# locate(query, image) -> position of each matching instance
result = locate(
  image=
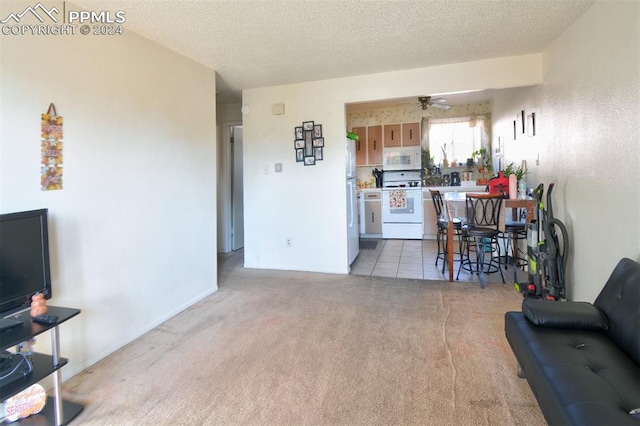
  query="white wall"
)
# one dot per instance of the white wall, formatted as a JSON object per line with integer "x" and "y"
{"x": 308, "y": 204}
{"x": 133, "y": 232}
{"x": 588, "y": 139}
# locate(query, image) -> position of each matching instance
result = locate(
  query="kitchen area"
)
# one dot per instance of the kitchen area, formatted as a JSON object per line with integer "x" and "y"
{"x": 395, "y": 171}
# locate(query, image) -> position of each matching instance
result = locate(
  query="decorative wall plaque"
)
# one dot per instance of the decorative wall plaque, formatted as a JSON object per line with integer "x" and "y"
{"x": 51, "y": 165}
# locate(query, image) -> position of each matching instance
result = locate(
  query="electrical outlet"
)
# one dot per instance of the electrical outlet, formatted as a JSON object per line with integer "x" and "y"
{"x": 288, "y": 242}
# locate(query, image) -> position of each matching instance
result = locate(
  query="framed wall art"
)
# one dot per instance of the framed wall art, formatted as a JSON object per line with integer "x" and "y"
{"x": 531, "y": 124}
{"x": 308, "y": 143}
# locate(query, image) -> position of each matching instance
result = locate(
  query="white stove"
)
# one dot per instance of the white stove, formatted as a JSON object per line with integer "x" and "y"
{"x": 402, "y": 212}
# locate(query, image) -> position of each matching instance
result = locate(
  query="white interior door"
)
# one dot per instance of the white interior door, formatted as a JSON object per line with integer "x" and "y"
{"x": 237, "y": 204}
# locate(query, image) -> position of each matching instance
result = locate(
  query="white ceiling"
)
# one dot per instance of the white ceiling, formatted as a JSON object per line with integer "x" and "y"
{"x": 257, "y": 43}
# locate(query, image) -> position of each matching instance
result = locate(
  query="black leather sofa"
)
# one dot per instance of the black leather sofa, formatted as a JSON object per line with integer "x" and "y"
{"x": 581, "y": 360}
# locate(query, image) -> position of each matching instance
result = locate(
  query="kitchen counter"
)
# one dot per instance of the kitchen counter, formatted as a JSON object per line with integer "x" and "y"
{"x": 465, "y": 188}
{"x": 461, "y": 188}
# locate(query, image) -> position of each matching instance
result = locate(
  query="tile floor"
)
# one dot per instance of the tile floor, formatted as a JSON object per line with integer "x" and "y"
{"x": 414, "y": 259}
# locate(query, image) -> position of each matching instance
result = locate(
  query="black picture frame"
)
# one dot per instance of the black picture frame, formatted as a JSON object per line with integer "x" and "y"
{"x": 531, "y": 124}
{"x": 317, "y": 130}
{"x": 299, "y": 155}
{"x": 307, "y": 125}
{"x": 317, "y": 153}
{"x": 298, "y": 143}
{"x": 298, "y": 132}
{"x": 310, "y": 161}
{"x": 308, "y": 143}
{"x": 318, "y": 143}
{"x": 515, "y": 129}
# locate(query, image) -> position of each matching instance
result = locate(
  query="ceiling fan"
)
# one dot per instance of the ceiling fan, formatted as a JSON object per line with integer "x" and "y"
{"x": 427, "y": 101}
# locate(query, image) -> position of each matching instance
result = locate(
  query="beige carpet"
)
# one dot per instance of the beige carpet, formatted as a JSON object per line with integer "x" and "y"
{"x": 292, "y": 348}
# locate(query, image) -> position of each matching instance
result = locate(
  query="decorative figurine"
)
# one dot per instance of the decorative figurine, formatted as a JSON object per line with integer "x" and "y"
{"x": 38, "y": 305}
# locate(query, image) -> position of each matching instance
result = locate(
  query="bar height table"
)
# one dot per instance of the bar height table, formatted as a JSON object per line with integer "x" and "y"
{"x": 456, "y": 200}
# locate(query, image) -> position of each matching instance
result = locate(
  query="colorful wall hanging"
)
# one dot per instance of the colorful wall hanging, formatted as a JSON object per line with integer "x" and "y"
{"x": 51, "y": 165}
{"x": 308, "y": 143}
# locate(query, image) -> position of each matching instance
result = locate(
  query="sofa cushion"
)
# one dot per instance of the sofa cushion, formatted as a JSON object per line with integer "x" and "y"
{"x": 619, "y": 301}
{"x": 563, "y": 314}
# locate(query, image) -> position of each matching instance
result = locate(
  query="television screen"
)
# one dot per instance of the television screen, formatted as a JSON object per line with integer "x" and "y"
{"x": 24, "y": 259}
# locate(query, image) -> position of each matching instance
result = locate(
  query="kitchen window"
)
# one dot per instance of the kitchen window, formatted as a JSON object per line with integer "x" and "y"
{"x": 457, "y": 137}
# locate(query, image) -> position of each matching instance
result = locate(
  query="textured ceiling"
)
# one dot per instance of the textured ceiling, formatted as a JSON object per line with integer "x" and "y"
{"x": 256, "y": 43}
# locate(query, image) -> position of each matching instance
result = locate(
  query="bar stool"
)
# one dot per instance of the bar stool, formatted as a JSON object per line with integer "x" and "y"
{"x": 443, "y": 228}
{"x": 481, "y": 229}
{"x": 514, "y": 232}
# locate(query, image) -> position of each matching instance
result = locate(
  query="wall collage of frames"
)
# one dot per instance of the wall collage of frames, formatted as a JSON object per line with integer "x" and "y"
{"x": 309, "y": 143}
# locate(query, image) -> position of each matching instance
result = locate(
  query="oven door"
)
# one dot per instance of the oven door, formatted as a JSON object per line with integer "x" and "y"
{"x": 403, "y": 158}
{"x": 402, "y": 213}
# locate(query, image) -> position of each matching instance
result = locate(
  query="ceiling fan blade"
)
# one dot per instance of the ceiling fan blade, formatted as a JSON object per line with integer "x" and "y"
{"x": 441, "y": 106}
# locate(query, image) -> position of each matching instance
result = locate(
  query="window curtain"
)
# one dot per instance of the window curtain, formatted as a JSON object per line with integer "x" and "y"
{"x": 424, "y": 136}
{"x": 449, "y": 135}
{"x": 483, "y": 122}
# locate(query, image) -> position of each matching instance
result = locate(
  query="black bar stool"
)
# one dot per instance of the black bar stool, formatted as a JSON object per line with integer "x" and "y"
{"x": 481, "y": 230}
{"x": 443, "y": 228}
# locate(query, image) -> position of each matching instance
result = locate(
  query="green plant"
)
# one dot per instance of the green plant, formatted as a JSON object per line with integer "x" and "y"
{"x": 427, "y": 159}
{"x": 519, "y": 171}
{"x": 483, "y": 154}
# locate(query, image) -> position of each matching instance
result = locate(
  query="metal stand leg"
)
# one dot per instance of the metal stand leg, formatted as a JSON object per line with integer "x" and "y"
{"x": 57, "y": 398}
{"x": 480, "y": 259}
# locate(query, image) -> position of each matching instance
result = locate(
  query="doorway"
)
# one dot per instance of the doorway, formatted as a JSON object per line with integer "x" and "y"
{"x": 237, "y": 204}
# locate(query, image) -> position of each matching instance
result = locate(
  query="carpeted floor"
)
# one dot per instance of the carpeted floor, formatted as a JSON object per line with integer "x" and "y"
{"x": 295, "y": 348}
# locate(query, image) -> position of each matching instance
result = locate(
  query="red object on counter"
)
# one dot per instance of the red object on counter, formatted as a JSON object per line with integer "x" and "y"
{"x": 499, "y": 185}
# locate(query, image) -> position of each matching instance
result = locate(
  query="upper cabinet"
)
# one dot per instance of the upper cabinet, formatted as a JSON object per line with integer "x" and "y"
{"x": 392, "y": 135}
{"x": 407, "y": 134}
{"x": 373, "y": 138}
{"x": 374, "y": 144}
{"x": 361, "y": 145}
{"x": 411, "y": 134}
{"x": 368, "y": 146}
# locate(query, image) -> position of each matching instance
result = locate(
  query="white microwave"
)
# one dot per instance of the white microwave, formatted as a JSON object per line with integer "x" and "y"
{"x": 402, "y": 158}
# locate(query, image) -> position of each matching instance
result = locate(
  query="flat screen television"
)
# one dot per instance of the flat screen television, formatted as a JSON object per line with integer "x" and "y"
{"x": 24, "y": 259}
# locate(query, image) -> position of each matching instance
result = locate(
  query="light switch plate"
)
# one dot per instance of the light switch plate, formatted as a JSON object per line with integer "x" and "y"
{"x": 278, "y": 168}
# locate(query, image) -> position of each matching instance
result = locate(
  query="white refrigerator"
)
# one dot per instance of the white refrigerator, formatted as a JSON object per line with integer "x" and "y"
{"x": 353, "y": 236}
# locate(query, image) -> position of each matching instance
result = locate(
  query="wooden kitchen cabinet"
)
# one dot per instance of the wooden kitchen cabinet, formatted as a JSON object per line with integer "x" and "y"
{"x": 411, "y": 134}
{"x": 361, "y": 145}
{"x": 372, "y": 212}
{"x": 374, "y": 145}
{"x": 392, "y": 136}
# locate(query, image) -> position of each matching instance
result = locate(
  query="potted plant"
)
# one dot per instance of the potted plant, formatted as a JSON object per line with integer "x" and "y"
{"x": 482, "y": 154}
{"x": 519, "y": 171}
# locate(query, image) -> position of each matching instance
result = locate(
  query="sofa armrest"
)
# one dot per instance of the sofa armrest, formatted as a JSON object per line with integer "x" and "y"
{"x": 551, "y": 314}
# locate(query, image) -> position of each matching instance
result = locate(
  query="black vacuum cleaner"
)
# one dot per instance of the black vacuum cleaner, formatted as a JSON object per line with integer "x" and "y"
{"x": 547, "y": 248}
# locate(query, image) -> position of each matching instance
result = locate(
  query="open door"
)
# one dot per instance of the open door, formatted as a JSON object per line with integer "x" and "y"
{"x": 237, "y": 204}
